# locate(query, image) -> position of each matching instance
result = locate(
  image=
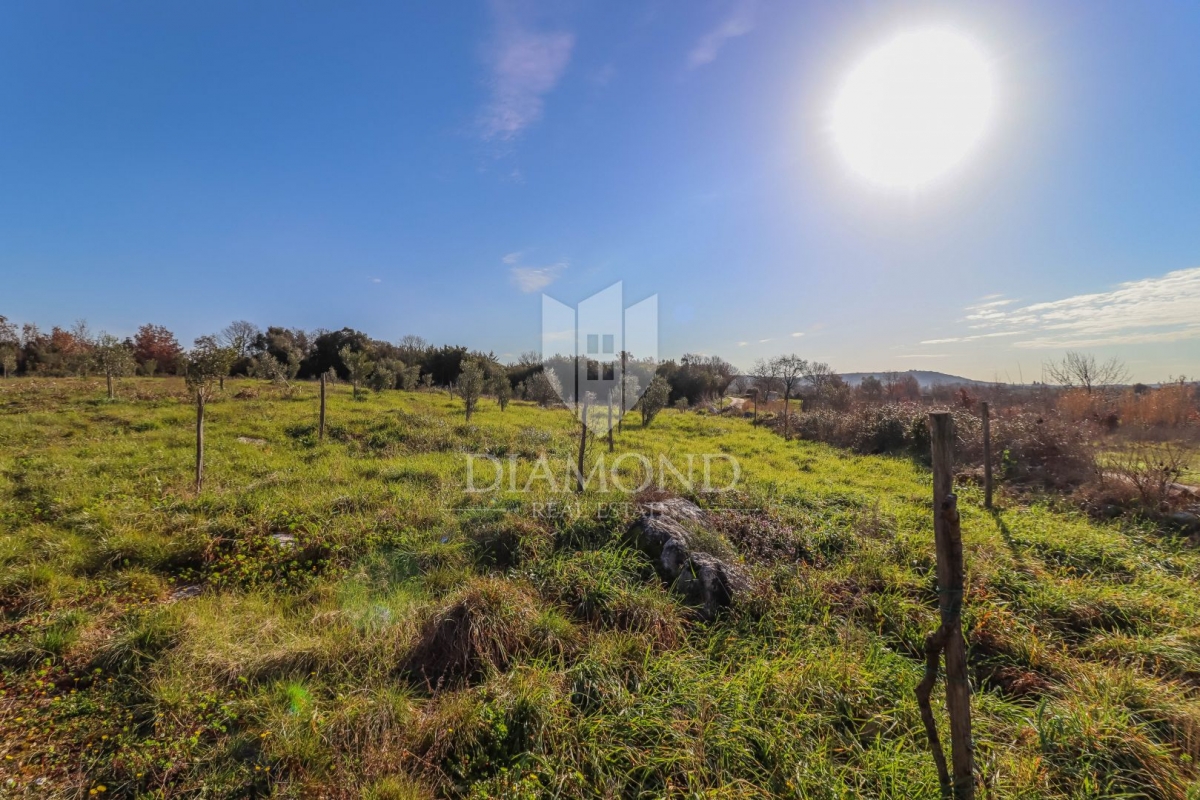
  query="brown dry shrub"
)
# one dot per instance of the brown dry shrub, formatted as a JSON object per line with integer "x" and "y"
{"x": 1154, "y": 472}
{"x": 1030, "y": 448}
{"x": 479, "y": 631}
{"x": 1173, "y": 405}
{"x": 1044, "y": 450}
{"x": 1080, "y": 404}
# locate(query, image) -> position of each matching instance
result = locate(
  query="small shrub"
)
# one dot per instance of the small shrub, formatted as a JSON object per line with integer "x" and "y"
{"x": 1152, "y": 470}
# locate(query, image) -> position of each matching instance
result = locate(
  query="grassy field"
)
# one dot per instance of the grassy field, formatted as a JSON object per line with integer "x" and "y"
{"x": 273, "y": 633}
{"x": 1188, "y": 454}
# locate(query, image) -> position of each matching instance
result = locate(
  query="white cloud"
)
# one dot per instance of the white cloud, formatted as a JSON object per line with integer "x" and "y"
{"x": 797, "y": 334}
{"x": 524, "y": 65}
{"x": 1146, "y": 311}
{"x": 742, "y": 344}
{"x": 973, "y": 337}
{"x": 763, "y": 341}
{"x": 376, "y": 280}
{"x": 532, "y": 278}
{"x": 738, "y": 23}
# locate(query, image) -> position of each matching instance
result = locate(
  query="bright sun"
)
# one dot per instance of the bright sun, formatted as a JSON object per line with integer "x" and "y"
{"x": 913, "y": 109}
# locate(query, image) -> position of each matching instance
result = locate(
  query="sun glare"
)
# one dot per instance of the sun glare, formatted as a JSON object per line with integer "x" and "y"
{"x": 913, "y": 109}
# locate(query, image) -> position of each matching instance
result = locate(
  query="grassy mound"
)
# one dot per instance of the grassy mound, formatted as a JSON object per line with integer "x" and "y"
{"x": 478, "y": 632}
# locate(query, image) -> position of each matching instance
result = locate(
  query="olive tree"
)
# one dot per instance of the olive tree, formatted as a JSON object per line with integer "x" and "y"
{"x": 358, "y": 365}
{"x": 470, "y": 384}
{"x": 207, "y": 363}
{"x": 409, "y": 376}
{"x": 383, "y": 377}
{"x": 268, "y": 368}
{"x": 544, "y": 388}
{"x": 502, "y": 389}
{"x": 112, "y": 358}
{"x": 655, "y": 399}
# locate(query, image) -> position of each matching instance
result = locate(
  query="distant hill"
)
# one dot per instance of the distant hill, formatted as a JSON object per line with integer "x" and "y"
{"x": 924, "y": 377}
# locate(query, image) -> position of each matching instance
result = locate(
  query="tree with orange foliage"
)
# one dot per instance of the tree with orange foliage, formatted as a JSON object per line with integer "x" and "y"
{"x": 156, "y": 343}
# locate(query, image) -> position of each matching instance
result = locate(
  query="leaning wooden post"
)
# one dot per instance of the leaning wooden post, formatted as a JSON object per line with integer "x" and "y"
{"x": 985, "y": 409}
{"x": 199, "y": 438}
{"x": 949, "y": 638}
{"x": 321, "y": 423}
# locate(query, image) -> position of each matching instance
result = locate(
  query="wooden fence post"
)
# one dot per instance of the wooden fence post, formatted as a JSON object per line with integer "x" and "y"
{"x": 948, "y": 638}
{"x": 583, "y": 431}
{"x": 321, "y": 424}
{"x": 621, "y": 419}
{"x": 199, "y": 439}
{"x": 987, "y": 454}
{"x": 610, "y": 422}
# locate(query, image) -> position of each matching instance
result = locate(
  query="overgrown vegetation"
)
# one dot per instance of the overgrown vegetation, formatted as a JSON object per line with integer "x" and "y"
{"x": 341, "y": 619}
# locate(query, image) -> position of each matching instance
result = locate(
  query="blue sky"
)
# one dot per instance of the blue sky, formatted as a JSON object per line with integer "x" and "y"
{"x": 431, "y": 168}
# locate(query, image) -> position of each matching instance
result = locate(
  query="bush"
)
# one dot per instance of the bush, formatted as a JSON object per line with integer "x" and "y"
{"x": 1028, "y": 447}
{"x": 1152, "y": 470}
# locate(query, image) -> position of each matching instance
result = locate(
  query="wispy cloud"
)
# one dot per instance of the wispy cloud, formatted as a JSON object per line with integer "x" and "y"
{"x": 973, "y": 337}
{"x": 524, "y": 65}
{"x": 738, "y": 22}
{"x": 1146, "y": 311}
{"x": 530, "y": 278}
{"x": 604, "y": 76}
{"x": 797, "y": 334}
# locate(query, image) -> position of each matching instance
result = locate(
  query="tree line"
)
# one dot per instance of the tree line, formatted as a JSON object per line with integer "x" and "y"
{"x": 282, "y": 354}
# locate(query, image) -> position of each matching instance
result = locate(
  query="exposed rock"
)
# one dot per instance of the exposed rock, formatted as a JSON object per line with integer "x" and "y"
{"x": 283, "y": 539}
{"x": 682, "y": 555}
{"x": 185, "y": 592}
{"x": 675, "y": 508}
{"x": 1185, "y": 520}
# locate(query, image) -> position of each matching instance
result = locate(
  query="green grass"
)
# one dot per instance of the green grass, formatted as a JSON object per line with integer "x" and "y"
{"x": 1188, "y": 453}
{"x": 161, "y": 643}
